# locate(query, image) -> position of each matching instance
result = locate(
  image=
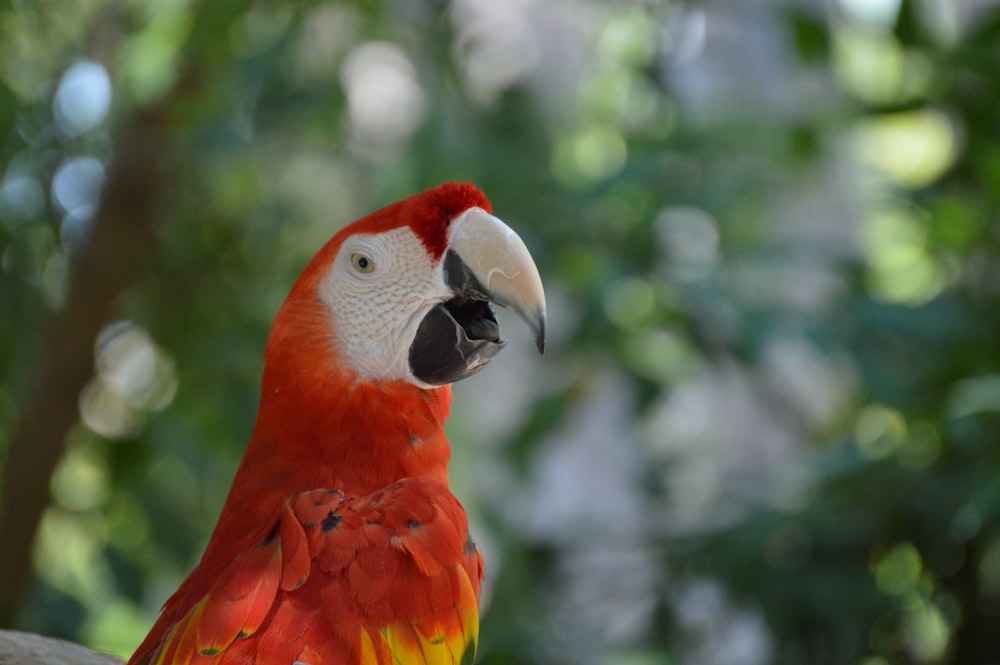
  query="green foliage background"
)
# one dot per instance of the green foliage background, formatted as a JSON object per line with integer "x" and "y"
{"x": 766, "y": 430}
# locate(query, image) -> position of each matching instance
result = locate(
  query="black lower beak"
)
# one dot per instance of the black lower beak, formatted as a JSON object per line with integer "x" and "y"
{"x": 456, "y": 339}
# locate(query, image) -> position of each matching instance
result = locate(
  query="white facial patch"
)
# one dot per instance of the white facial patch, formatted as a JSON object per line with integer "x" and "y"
{"x": 379, "y": 289}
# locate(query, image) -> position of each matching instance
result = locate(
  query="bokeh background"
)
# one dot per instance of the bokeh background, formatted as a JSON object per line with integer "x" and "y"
{"x": 767, "y": 426}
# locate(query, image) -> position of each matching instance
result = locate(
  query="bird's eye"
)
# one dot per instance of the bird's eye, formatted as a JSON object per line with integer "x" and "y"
{"x": 362, "y": 263}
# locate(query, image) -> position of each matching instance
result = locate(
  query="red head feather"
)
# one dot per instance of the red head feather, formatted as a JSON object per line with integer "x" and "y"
{"x": 430, "y": 212}
{"x": 427, "y": 213}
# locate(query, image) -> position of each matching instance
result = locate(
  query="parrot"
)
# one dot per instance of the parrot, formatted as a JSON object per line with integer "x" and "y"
{"x": 339, "y": 542}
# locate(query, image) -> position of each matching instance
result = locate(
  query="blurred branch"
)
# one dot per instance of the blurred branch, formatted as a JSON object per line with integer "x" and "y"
{"x": 102, "y": 269}
{"x": 29, "y": 649}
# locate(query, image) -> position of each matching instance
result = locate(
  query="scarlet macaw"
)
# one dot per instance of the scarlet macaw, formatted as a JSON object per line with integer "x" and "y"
{"x": 340, "y": 542}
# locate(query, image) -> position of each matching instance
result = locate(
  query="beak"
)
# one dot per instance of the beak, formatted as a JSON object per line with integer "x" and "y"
{"x": 487, "y": 261}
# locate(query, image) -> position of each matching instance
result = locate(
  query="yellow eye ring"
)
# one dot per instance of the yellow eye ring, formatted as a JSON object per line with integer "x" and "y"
{"x": 362, "y": 263}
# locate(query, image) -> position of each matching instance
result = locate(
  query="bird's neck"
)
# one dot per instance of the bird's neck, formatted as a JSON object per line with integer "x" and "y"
{"x": 318, "y": 428}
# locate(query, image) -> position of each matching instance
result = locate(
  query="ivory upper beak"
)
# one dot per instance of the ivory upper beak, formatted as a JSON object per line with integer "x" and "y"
{"x": 499, "y": 260}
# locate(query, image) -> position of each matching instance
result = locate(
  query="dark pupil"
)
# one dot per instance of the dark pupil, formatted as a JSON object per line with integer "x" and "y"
{"x": 362, "y": 262}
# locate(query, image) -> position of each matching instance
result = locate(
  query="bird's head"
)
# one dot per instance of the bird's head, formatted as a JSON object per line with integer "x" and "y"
{"x": 405, "y": 293}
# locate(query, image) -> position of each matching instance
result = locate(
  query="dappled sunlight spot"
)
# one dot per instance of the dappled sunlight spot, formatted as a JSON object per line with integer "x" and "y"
{"x": 878, "y": 12}
{"x": 324, "y": 36}
{"x": 80, "y": 482}
{"x": 598, "y": 152}
{"x": 133, "y": 366}
{"x": 875, "y": 660}
{"x": 689, "y": 238}
{"x": 66, "y": 553}
{"x": 69, "y": 556}
{"x": 868, "y": 63}
{"x": 879, "y": 431}
{"x": 76, "y": 189}
{"x": 76, "y": 185}
{"x": 914, "y": 148}
{"x": 615, "y": 86}
{"x": 949, "y": 22}
{"x": 606, "y": 95}
{"x": 385, "y": 100}
{"x": 495, "y": 47}
{"x": 977, "y": 395}
{"x": 629, "y": 301}
{"x": 900, "y": 570}
{"x": 82, "y": 99}
{"x": 21, "y": 198}
{"x": 106, "y": 413}
{"x": 923, "y": 630}
{"x": 133, "y": 377}
{"x": 320, "y": 185}
{"x": 116, "y": 628}
{"x": 126, "y": 361}
{"x": 74, "y": 230}
{"x": 900, "y": 267}
{"x": 588, "y": 155}
{"x": 686, "y": 42}
{"x": 989, "y": 569}
{"x": 872, "y": 65}
{"x": 149, "y": 59}
{"x": 629, "y": 36}
{"x": 661, "y": 355}
{"x": 926, "y": 632}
